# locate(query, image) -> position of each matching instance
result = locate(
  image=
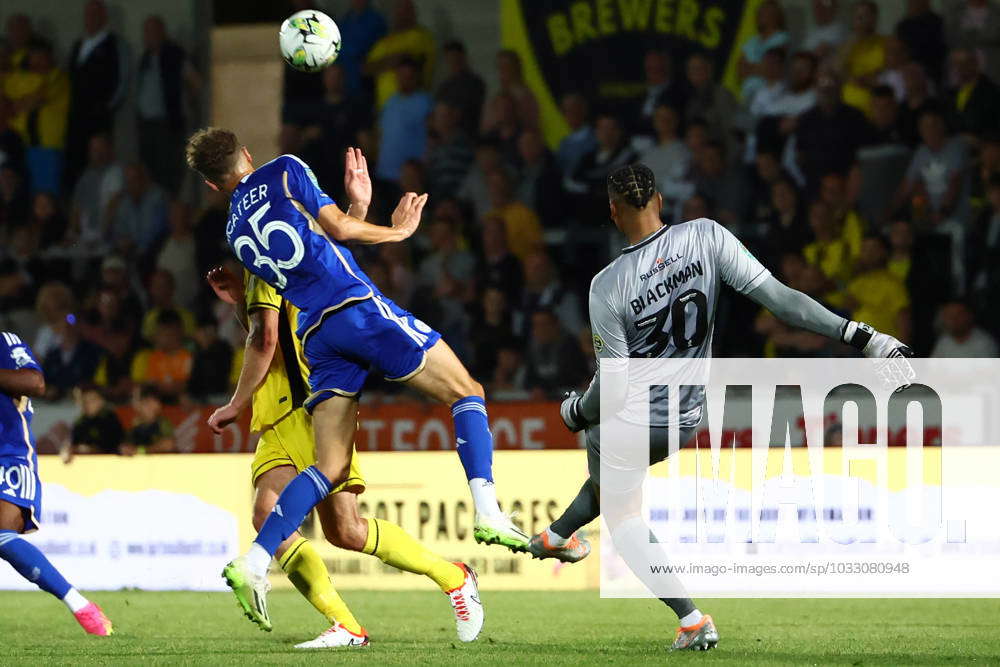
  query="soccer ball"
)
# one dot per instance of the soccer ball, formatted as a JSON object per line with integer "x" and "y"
{"x": 309, "y": 40}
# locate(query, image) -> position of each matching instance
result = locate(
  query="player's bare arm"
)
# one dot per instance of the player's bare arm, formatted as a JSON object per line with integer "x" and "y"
{"x": 22, "y": 382}
{"x": 351, "y": 226}
{"x": 262, "y": 340}
{"x": 357, "y": 183}
{"x": 344, "y": 228}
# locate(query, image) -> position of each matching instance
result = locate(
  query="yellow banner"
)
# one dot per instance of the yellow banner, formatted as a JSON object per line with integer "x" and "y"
{"x": 427, "y": 495}
{"x": 170, "y": 522}
{"x": 140, "y": 498}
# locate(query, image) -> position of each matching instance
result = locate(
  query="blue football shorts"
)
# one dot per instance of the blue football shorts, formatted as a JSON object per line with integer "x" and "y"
{"x": 373, "y": 334}
{"x": 19, "y": 485}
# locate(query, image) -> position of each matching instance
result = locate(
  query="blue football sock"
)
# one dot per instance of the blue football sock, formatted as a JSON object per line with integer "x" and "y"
{"x": 302, "y": 494}
{"x": 32, "y": 564}
{"x": 475, "y": 442}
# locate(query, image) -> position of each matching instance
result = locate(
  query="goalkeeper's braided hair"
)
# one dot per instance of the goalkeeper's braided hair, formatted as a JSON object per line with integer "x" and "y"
{"x": 633, "y": 183}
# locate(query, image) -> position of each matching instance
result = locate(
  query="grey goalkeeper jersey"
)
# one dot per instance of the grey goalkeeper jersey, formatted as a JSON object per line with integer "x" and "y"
{"x": 657, "y": 301}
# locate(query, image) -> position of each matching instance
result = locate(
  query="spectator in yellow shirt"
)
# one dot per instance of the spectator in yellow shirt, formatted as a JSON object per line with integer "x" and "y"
{"x": 862, "y": 58}
{"x": 830, "y": 252}
{"x": 406, "y": 39}
{"x": 524, "y": 232}
{"x": 833, "y": 191}
{"x": 39, "y": 95}
{"x": 876, "y": 295}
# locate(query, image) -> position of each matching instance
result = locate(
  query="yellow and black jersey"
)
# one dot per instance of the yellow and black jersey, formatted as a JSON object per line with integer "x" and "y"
{"x": 286, "y": 384}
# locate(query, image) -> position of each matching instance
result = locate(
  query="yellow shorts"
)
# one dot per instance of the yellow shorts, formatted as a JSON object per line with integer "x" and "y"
{"x": 290, "y": 443}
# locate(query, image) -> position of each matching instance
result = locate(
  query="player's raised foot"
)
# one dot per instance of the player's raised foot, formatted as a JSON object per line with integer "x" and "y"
{"x": 469, "y": 612}
{"x": 337, "y": 637}
{"x": 701, "y": 636}
{"x": 92, "y": 619}
{"x": 250, "y": 591}
{"x": 500, "y": 529}
{"x": 575, "y": 549}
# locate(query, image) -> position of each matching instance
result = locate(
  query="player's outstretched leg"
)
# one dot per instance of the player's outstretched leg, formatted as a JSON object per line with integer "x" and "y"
{"x": 631, "y": 536}
{"x": 298, "y": 558}
{"x": 333, "y": 426}
{"x": 345, "y": 528}
{"x": 31, "y": 564}
{"x": 560, "y": 540}
{"x": 445, "y": 379}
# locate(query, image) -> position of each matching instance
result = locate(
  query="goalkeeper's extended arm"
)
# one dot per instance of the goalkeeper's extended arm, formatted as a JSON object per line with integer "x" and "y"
{"x": 800, "y": 310}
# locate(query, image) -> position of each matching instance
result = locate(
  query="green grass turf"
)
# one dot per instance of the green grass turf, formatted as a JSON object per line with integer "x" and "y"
{"x": 532, "y": 628}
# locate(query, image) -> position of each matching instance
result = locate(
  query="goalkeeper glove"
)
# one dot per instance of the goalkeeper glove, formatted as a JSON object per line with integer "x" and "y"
{"x": 873, "y": 344}
{"x": 570, "y": 412}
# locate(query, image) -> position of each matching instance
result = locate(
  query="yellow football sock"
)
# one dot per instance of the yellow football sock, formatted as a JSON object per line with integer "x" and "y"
{"x": 394, "y": 546}
{"x": 305, "y": 569}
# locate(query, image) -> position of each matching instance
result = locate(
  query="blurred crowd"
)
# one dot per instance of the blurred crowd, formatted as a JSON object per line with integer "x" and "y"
{"x": 100, "y": 258}
{"x": 863, "y": 168}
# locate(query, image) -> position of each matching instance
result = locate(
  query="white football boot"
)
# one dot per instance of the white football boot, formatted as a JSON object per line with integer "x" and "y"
{"x": 469, "y": 613}
{"x": 337, "y": 637}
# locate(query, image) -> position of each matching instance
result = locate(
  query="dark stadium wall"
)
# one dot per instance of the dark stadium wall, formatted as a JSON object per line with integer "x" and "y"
{"x": 245, "y": 67}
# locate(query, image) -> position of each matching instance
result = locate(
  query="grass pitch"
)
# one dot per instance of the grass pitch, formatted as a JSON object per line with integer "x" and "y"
{"x": 530, "y": 628}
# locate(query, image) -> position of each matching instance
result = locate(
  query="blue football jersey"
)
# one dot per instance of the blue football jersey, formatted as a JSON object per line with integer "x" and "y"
{"x": 274, "y": 232}
{"x": 16, "y": 438}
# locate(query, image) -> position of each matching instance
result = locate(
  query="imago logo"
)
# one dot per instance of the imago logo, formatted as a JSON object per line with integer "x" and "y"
{"x": 806, "y": 458}
{"x": 804, "y": 462}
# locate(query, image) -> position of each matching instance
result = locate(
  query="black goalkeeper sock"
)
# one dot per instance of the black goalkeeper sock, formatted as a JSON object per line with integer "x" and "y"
{"x": 584, "y": 509}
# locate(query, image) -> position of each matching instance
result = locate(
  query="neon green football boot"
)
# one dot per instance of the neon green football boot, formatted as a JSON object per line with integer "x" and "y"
{"x": 500, "y": 530}
{"x": 250, "y": 590}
